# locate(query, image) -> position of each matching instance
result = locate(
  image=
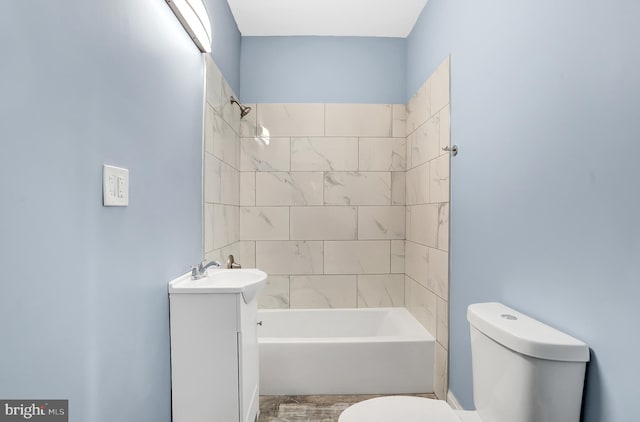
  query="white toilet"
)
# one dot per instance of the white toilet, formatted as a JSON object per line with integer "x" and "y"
{"x": 523, "y": 371}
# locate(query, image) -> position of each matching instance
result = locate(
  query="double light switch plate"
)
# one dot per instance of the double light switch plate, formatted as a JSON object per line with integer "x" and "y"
{"x": 115, "y": 186}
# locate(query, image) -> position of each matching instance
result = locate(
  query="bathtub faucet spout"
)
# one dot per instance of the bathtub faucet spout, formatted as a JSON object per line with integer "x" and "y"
{"x": 231, "y": 263}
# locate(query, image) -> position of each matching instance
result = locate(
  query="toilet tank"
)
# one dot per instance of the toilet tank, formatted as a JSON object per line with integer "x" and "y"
{"x": 524, "y": 370}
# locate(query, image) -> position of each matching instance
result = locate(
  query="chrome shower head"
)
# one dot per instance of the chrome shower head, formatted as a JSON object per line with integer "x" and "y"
{"x": 244, "y": 110}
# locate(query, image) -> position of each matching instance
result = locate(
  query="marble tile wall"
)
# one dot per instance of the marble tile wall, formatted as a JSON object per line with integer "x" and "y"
{"x": 322, "y": 203}
{"x": 427, "y": 214}
{"x": 221, "y": 165}
{"x": 344, "y": 205}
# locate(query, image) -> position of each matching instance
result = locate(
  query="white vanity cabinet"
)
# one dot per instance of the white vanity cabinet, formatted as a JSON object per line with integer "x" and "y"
{"x": 214, "y": 351}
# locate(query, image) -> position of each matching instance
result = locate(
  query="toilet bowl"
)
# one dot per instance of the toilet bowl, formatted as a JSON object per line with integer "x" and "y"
{"x": 523, "y": 370}
{"x": 405, "y": 409}
{"x": 399, "y": 408}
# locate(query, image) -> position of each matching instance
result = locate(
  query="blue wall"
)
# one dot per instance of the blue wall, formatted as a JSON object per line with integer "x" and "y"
{"x": 545, "y": 191}
{"x": 546, "y": 188}
{"x": 84, "y": 307}
{"x": 322, "y": 69}
{"x": 225, "y": 47}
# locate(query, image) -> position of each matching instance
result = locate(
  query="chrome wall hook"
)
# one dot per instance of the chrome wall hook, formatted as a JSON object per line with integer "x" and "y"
{"x": 453, "y": 149}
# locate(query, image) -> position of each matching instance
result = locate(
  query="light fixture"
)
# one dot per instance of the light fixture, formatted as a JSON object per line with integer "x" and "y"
{"x": 193, "y": 16}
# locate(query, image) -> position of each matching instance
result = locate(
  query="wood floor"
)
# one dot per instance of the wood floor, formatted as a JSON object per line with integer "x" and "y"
{"x": 310, "y": 408}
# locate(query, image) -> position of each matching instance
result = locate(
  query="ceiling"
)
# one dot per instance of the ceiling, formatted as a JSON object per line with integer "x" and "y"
{"x": 359, "y": 18}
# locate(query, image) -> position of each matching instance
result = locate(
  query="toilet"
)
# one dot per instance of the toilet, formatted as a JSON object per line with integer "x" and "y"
{"x": 523, "y": 370}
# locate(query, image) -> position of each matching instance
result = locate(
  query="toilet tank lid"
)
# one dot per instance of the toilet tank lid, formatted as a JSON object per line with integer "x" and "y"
{"x": 524, "y": 334}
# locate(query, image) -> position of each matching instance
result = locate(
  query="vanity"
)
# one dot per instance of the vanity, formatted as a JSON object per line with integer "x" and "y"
{"x": 214, "y": 346}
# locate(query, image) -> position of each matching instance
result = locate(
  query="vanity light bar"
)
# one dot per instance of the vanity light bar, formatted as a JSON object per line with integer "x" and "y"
{"x": 194, "y": 18}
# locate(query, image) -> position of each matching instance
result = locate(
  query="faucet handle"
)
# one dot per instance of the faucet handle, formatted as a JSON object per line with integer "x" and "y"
{"x": 201, "y": 265}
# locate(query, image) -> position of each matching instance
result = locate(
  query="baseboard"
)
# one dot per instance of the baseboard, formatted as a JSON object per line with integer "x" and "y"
{"x": 453, "y": 401}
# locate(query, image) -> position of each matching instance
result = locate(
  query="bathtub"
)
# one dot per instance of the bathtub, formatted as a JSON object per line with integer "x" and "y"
{"x": 344, "y": 351}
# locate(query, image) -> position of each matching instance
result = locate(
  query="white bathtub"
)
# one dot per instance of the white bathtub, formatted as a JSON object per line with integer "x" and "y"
{"x": 344, "y": 351}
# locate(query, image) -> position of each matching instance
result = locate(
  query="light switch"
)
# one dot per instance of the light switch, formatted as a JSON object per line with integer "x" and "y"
{"x": 122, "y": 187}
{"x": 112, "y": 185}
{"x": 115, "y": 186}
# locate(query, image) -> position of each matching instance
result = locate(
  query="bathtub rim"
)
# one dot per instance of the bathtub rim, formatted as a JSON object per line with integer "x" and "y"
{"x": 425, "y": 336}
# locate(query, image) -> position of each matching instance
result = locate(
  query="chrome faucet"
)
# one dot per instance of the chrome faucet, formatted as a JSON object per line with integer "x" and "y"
{"x": 200, "y": 270}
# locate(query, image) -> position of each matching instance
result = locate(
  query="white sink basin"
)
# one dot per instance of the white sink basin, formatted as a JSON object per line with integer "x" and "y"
{"x": 247, "y": 281}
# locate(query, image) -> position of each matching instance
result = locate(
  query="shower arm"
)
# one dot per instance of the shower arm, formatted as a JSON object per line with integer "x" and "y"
{"x": 244, "y": 110}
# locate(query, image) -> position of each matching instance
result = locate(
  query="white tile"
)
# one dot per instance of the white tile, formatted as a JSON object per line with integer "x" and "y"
{"x": 440, "y": 87}
{"x": 208, "y": 227}
{"x": 377, "y": 291}
{"x": 416, "y": 264}
{"x": 357, "y": 188}
{"x": 441, "y": 372}
{"x": 246, "y": 253}
{"x": 410, "y": 139}
{"x": 425, "y": 142}
{"x": 439, "y": 272}
{"x": 209, "y": 122}
{"x": 323, "y": 223}
{"x": 323, "y": 291}
{"x": 296, "y": 188}
{"x": 214, "y": 83}
{"x": 358, "y": 120}
{"x": 381, "y": 222}
{"x": 445, "y": 127}
{"x": 212, "y": 179}
{"x": 226, "y": 225}
{"x": 230, "y": 182}
{"x": 292, "y": 119}
{"x": 324, "y": 154}
{"x": 230, "y": 112}
{"x": 399, "y": 129}
{"x": 275, "y": 294}
{"x": 383, "y": 154}
{"x": 407, "y": 292}
{"x": 398, "y": 188}
{"x": 264, "y": 223}
{"x": 442, "y": 322}
{"x": 443, "y": 226}
{"x": 289, "y": 257}
{"x": 225, "y": 142}
{"x": 249, "y": 123}
{"x": 423, "y": 305}
{"x": 247, "y": 188}
{"x": 397, "y": 256}
{"x": 357, "y": 257}
{"x": 419, "y": 107}
{"x": 439, "y": 179}
{"x": 257, "y": 155}
{"x": 422, "y": 224}
{"x": 418, "y": 185}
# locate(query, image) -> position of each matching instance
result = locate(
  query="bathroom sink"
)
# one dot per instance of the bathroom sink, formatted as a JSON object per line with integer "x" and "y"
{"x": 247, "y": 281}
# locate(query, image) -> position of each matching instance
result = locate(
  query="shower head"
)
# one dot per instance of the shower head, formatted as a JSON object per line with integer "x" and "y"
{"x": 244, "y": 110}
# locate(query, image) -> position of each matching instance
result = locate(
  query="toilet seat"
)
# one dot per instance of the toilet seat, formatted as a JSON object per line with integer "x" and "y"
{"x": 399, "y": 408}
